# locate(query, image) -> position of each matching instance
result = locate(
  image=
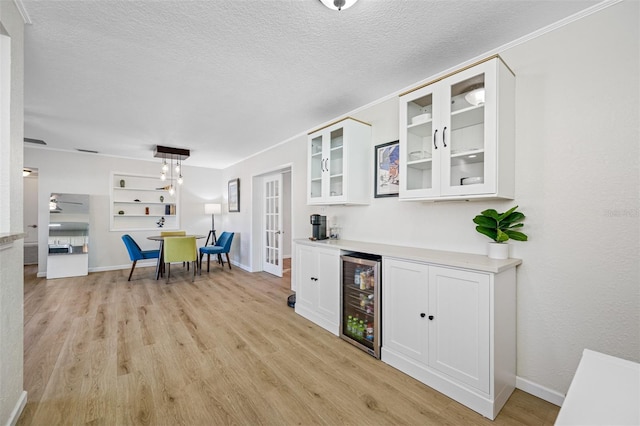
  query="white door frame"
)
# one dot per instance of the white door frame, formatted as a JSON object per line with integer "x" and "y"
{"x": 257, "y": 239}
{"x": 30, "y": 216}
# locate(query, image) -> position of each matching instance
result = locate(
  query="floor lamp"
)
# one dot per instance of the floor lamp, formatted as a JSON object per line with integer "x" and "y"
{"x": 212, "y": 209}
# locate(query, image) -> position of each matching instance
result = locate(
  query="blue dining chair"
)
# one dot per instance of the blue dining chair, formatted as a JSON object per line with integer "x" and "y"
{"x": 222, "y": 246}
{"x": 135, "y": 253}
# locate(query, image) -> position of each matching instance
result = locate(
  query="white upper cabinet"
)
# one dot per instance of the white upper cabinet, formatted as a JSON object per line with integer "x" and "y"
{"x": 457, "y": 136}
{"x": 339, "y": 164}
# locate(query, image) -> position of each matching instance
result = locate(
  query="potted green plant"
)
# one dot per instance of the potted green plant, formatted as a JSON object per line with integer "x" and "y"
{"x": 500, "y": 227}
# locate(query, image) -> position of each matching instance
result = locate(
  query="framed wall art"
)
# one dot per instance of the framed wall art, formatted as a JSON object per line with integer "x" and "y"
{"x": 234, "y": 195}
{"x": 387, "y": 170}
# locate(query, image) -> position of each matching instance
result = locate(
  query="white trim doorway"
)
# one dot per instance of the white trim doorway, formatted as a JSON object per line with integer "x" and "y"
{"x": 258, "y": 242}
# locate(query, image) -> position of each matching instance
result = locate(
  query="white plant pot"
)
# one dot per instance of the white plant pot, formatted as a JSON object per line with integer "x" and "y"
{"x": 498, "y": 250}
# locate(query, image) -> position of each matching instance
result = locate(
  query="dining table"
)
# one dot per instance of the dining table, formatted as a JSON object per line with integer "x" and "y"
{"x": 160, "y": 239}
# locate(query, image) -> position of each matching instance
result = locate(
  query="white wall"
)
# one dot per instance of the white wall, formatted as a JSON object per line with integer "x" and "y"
{"x": 577, "y": 181}
{"x": 81, "y": 173}
{"x": 12, "y": 395}
{"x": 577, "y": 162}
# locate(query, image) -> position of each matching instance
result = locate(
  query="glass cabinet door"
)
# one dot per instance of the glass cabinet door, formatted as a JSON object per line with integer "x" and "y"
{"x": 420, "y": 168}
{"x": 336, "y": 151}
{"x": 316, "y": 166}
{"x": 465, "y": 133}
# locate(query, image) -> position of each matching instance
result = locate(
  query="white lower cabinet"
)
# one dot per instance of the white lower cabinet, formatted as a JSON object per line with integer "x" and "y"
{"x": 317, "y": 274}
{"x": 452, "y": 329}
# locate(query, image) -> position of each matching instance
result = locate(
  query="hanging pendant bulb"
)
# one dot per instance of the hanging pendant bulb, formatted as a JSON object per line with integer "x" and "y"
{"x": 178, "y": 166}
{"x": 163, "y": 176}
{"x": 338, "y": 4}
{"x": 164, "y": 166}
{"x": 171, "y": 190}
{"x": 180, "y": 180}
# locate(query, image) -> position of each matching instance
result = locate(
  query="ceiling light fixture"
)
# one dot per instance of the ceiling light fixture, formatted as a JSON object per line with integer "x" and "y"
{"x": 26, "y": 172}
{"x": 338, "y": 4}
{"x": 177, "y": 154}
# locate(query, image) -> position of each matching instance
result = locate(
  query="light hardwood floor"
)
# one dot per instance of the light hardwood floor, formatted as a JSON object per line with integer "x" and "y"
{"x": 225, "y": 349}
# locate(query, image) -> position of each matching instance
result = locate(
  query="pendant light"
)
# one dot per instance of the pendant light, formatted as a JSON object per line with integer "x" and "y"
{"x": 179, "y": 154}
{"x": 338, "y": 4}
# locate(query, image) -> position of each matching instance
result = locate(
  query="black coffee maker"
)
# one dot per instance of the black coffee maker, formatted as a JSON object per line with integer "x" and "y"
{"x": 319, "y": 226}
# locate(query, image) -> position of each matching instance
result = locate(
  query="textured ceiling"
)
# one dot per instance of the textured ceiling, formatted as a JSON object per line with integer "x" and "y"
{"x": 228, "y": 79}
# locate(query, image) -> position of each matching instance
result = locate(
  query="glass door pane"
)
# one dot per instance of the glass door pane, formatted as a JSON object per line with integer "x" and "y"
{"x": 466, "y": 138}
{"x": 419, "y": 153}
{"x": 316, "y": 165}
{"x": 336, "y": 151}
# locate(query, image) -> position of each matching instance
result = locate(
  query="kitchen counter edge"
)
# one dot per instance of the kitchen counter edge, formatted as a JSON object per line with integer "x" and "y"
{"x": 476, "y": 262}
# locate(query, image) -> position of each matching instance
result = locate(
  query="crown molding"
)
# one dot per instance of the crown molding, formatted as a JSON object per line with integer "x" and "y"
{"x": 23, "y": 12}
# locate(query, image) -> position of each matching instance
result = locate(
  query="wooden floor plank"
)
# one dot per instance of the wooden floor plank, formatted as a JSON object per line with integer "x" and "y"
{"x": 224, "y": 349}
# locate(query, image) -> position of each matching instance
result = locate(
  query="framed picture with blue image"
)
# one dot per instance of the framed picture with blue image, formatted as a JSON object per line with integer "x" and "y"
{"x": 387, "y": 170}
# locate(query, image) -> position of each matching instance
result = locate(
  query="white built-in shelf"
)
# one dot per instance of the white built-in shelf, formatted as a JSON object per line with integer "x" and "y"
{"x": 149, "y": 190}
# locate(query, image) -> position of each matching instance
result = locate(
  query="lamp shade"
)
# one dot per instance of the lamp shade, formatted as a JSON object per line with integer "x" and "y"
{"x": 212, "y": 208}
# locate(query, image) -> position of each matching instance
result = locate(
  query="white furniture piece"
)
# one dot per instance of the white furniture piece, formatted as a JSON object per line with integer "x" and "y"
{"x": 317, "y": 273}
{"x": 452, "y": 329}
{"x": 457, "y": 135}
{"x": 67, "y": 265}
{"x": 154, "y": 202}
{"x": 339, "y": 164}
{"x": 448, "y": 319}
{"x": 68, "y": 240}
{"x": 604, "y": 391}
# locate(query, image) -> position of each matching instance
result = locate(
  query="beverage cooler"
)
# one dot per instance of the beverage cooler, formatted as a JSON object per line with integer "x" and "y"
{"x": 360, "y": 301}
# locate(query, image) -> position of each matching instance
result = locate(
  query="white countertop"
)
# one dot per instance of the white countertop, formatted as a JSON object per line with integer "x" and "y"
{"x": 475, "y": 262}
{"x": 604, "y": 391}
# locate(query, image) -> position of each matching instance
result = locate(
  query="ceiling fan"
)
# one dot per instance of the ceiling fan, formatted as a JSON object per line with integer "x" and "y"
{"x": 53, "y": 204}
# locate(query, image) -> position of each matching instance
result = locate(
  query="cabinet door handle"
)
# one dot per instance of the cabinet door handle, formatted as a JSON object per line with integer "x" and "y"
{"x": 435, "y": 143}
{"x": 422, "y": 315}
{"x": 444, "y": 135}
{"x": 431, "y": 317}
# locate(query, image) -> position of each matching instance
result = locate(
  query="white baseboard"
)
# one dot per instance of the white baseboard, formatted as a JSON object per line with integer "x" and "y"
{"x": 540, "y": 391}
{"x": 17, "y": 410}
{"x": 140, "y": 264}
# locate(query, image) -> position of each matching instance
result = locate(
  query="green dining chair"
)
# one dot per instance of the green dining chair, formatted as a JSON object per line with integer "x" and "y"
{"x": 173, "y": 233}
{"x": 180, "y": 249}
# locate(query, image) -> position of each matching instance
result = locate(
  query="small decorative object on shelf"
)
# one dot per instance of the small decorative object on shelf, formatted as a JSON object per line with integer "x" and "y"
{"x": 141, "y": 204}
{"x": 121, "y": 183}
{"x": 160, "y": 222}
{"x": 500, "y": 227}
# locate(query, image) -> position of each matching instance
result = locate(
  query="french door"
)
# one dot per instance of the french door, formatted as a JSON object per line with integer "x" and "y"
{"x": 272, "y": 225}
